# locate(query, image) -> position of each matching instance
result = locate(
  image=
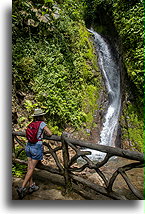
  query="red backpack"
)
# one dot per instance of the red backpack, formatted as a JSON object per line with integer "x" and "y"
{"x": 32, "y": 130}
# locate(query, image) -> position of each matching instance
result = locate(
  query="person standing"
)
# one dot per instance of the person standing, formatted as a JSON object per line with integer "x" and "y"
{"x": 34, "y": 152}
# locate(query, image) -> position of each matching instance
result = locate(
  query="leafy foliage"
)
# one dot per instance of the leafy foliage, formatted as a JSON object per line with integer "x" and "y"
{"x": 127, "y": 18}
{"x": 53, "y": 58}
{"x": 18, "y": 169}
{"x": 133, "y": 127}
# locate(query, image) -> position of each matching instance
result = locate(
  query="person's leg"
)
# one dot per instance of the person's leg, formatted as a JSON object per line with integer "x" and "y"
{"x": 31, "y": 166}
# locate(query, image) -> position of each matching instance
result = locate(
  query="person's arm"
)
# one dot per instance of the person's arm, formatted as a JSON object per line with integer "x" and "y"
{"x": 47, "y": 131}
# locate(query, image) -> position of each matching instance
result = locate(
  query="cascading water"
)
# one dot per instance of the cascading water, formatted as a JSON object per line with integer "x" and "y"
{"x": 111, "y": 72}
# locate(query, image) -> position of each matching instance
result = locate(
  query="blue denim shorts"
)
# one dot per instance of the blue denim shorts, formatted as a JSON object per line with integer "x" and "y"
{"x": 34, "y": 151}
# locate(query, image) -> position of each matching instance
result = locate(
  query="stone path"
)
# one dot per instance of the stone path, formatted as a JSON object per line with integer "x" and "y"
{"x": 47, "y": 191}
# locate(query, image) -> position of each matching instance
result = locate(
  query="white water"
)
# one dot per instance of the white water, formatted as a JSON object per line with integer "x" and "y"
{"x": 111, "y": 73}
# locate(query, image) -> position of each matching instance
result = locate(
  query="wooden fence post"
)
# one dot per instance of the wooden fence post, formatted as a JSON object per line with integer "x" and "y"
{"x": 65, "y": 162}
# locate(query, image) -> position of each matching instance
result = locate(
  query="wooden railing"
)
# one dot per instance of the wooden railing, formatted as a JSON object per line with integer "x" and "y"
{"x": 67, "y": 169}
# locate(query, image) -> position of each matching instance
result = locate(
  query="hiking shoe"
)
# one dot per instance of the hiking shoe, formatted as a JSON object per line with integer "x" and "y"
{"x": 33, "y": 188}
{"x": 21, "y": 192}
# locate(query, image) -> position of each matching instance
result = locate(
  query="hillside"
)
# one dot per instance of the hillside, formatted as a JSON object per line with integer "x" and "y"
{"x": 55, "y": 64}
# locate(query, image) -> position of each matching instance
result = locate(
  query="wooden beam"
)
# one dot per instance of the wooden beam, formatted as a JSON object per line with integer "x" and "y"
{"x": 53, "y": 137}
{"x": 132, "y": 155}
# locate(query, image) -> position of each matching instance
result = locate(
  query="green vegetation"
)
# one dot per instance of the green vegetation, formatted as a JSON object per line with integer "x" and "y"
{"x": 128, "y": 19}
{"x": 19, "y": 169}
{"x": 53, "y": 58}
{"x": 124, "y": 19}
{"x": 132, "y": 127}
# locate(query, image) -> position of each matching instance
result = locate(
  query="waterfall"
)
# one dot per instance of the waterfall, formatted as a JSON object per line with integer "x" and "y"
{"x": 111, "y": 73}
